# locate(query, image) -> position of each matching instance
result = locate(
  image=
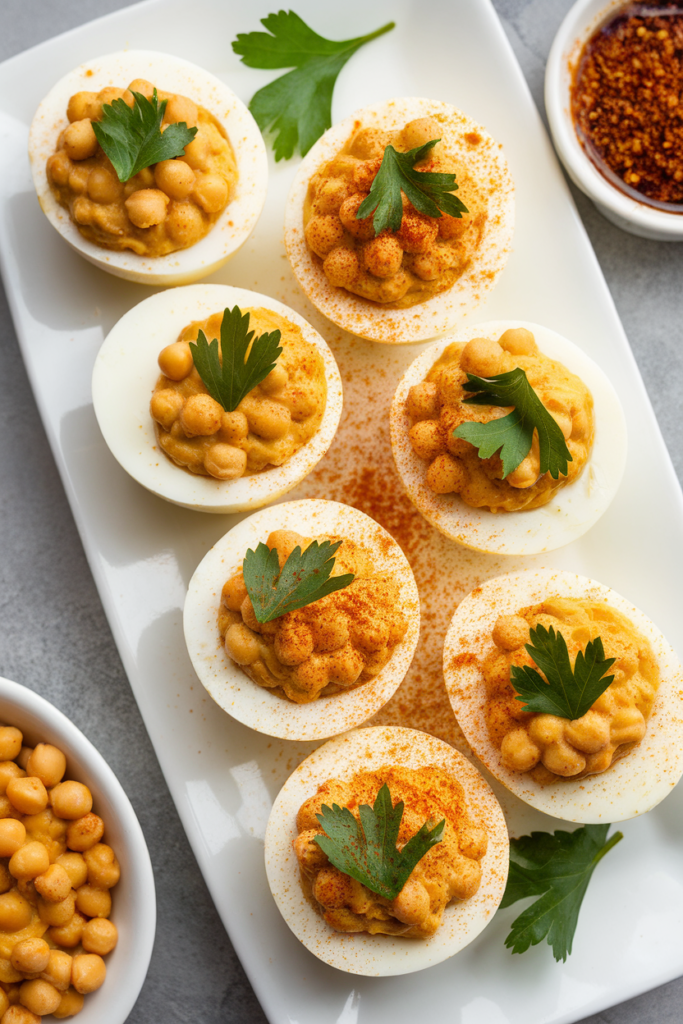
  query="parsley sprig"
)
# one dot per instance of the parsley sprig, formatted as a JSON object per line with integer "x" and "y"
{"x": 132, "y": 137}
{"x": 242, "y": 366}
{"x": 368, "y": 851}
{"x": 430, "y": 192}
{"x": 305, "y": 577}
{"x": 512, "y": 434}
{"x": 556, "y": 867}
{"x": 297, "y": 107}
{"x": 568, "y": 693}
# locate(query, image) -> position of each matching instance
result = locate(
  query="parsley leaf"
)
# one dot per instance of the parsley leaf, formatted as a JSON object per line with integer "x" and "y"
{"x": 513, "y": 434}
{"x": 132, "y": 137}
{"x": 367, "y": 852}
{"x": 243, "y": 367}
{"x": 428, "y": 191}
{"x": 557, "y": 868}
{"x": 305, "y": 578}
{"x": 297, "y": 106}
{"x": 567, "y": 693}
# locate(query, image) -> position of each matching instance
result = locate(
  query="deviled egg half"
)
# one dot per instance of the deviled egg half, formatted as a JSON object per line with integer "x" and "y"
{"x": 623, "y": 755}
{"x": 202, "y": 207}
{"x": 325, "y": 667}
{"x": 421, "y": 280}
{"x": 143, "y": 391}
{"x": 531, "y": 513}
{"x": 451, "y": 894}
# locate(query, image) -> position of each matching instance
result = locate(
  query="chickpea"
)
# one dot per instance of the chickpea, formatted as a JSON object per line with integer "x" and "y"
{"x": 15, "y": 912}
{"x": 78, "y": 182}
{"x": 58, "y": 970}
{"x": 166, "y": 406}
{"x": 75, "y": 866}
{"x": 225, "y": 462}
{"x": 99, "y": 936}
{"x": 93, "y": 902}
{"x": 13, "y": 993}
{"x": 142, "y": 86}
{"x": 294, "y": 643}
{"x": 473, "y": 842}
{"x": 627, "y": 726}
{"x": 452, "y": 227}
{"x": 420, "y": 132}
{"x": 427, "y": 439}
{"x": 6, "y": 880}
{"x": 56, "y": 915}
{"x": 234, "y": 427}
{"x": 417, "y": 233}
{"x": 9, "y": 974}
{"x": 369, "y": 144}
{"x": 527, "y": 472}
{"x": 382, "y": 256}
{"x": 211, "y": 192}
{"x": 9, "y": 770}
{"x": 546, "y": 729}
{"x": 341, "y": 267}
{"x": 30, "y": 956}
{"x": 19, "y": 1015}
{"x": 12, "y": 836}
{"x": 175, "y": 361}
{"x": 109, "y": 94}
{"x": 71, "y": 800}
{"x": 285, "y": 541}
{"x": 234, "y": 592}
{"x": 28, "y": 795}
{"x": 423, "y": 401}
{"x": 84, "y": 832}
{"x": 11, "y": 740}
{"x": 179, "y": 109}
{"x": 510, "y": 632}
{"x": 59, "y": 168}
{"x": 46, "y": 763}
{"x": 79, "y": 140}
{"x": 365, "y": 173}
{"x": 184, "y": 223}
{"x": 412, "y": 904}
{"x": 88, "y": 971}
{"x": 361, "y": 229}
{"x": 39, "y": 996}
{"x": 69, "y": 934}
{"x": 331, "y": 194}
{"x": 54, "y": 885}
{"x": 4, "y": 1002}
{"x": 482, "y": 357}
{"x": 324, "y": 232}
{"x": 247, "y": 613}
{"x": 518, "y": 341}
{"x": 147, "y": 207}
{"x": 562, "y": 759}
{"x": 144, "y": 179}
{"x": 268, "y": 419}
{"x": 197, "y": 152}
{"x": 201, "y": 415}
{"x": 175, "y": 178}
{"x": 104, "y": 186}
{"x": 276, "y": 380}
{"x": 81, "y": 105}
{"x": 241, "y": 645}
{"x": 466, "y": 878}
{"x": 446, "y": 474}
{"x": 518, "y": 751}
{"x": 28, "y": 862}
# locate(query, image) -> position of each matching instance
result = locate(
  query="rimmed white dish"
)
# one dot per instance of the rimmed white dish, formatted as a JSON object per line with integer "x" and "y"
{"x": 632, "y": 785}
{"x": 134, "y": 900}
{"x": 383, "y": 955}
{"x": 573, "y": 509}
{"x": 441, "y": 312}
{"x": 639, "y": 218}
{"x": 254, "y": 705}
{"x": 172, "y": 74}
{"x": 124, "y": 376}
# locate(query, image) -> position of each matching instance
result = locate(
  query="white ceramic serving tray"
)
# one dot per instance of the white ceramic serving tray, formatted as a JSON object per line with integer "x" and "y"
{"x": 143, "y": 551}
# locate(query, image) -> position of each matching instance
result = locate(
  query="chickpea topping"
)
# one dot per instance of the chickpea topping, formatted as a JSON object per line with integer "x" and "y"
{"x": 324, "y": 233}
{"x": 147, "y": 207}
{"x": 68, "y": 934}
{"x": 28, "y": 795}
{"x": 71, "y": 800}
{"x": 19, "y": 1015}
{"x": 417, "y": 233}
{"x": 481, "y": 357}
{"x": 211, "y": 192}
{"x": 54, "y": 885}
{"x": 518, "y": 341}
{"x": 93, "y": 902}
{"x": 12, "y": 836}
{"x": 175, "y": 361}
{"x": 10, "y": 742}
{"x": 342, "y": 267}
{"x": 56, "y": 915}
{"x": 85, "y": 832}
{"x": 15, "y": 912}
{"x": 166, "y": 406}
{"x": 46, "y": 763}
{"x": 224, "y": 462}
{"x": 234, "y": 426}
{"x": 184, "y": 223}
{"x": 58, "y": 970}
{"x": 88, "y": 972}
{"x": 39, "y": 996}
{"x": 75, "y": 866}
{"x": 179, "y": 109}
{"x": 82, "y": 105}
{"x": 361, "y": 229}
{"x": 510, "y": 632}
{"x": 382, "y": 256}
{"x": 30, "y": 956}
{"x": 276, "y": 381}
{"x": 175, "y": 178}
{"x": 419, "y": 132}
{"x": 142, "y": 86}
{"x": 446, "y": 474}
{"x": 71, "y": 1004}
{"x": 99, "y": 936}
{"x": 427, "y": 439}
{"x": 241, "y": 645}
{"x": 79, "y": 140}
{"x": 423, "y": 401}
{"x": 201, "y": 415}
{"x": 28, "y": 862}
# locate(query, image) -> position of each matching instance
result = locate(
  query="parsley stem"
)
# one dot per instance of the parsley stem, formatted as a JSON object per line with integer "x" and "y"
{"x": 378, "y": 32}
{"x": 617, "y": 837}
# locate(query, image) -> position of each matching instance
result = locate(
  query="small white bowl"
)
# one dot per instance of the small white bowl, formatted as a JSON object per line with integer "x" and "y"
{"x": 134, "y": 900}
{"x": 383, "y": 955}
{"x": 621, "y": 209}
{"x": 172, "y": 74}
{"x": 230, "y": 687}
{"x": 485, "y": 161}
{"x": 123, "y": 380}
{"x": 632, "y": 785}
{"x": 571, "y": 511}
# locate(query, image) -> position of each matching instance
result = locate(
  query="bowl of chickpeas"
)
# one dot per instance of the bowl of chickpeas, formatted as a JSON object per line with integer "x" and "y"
{"x": 77, "y": 900}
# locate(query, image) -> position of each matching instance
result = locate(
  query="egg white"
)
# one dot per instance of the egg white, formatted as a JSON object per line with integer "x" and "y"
{"x": 126, "y": 371}
{"x": 172, "y": 74}
{"x": 571, "y": 511}
{"x": 230, "y": 687}
{"x": 632, "y": 785}
{"x": 382, "y": 955}
{"x": 441, "y": 312}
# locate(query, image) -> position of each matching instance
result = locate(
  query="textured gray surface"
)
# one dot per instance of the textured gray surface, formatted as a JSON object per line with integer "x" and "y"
{"x": 55, "y": 639}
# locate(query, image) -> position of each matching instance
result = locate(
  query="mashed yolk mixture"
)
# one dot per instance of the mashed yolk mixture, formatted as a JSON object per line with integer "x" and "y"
{"x": 437, "y": 408}
{"x": 547, "y": 746}
{"x": 450, "y": 870}
{"x": 398, "y": 268}
{"x": 165, "y": 207}
{"x": 270, "y": 424}
{"x": 334, "y": 644}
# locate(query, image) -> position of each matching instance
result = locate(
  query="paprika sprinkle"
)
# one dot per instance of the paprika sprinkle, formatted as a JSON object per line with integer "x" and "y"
{"x": 627, "y": 100}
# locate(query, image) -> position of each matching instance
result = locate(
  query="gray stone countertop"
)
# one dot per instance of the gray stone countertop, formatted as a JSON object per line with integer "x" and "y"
{"x": 53, "y": 633}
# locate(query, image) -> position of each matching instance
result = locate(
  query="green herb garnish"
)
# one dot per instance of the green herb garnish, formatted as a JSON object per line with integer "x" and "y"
{"x": 367, "y": 852}
{"x": 242, "y": 367}
{"x": 568, "y": 693}
{"x": 512, "y": 434}
{"x": 428, "y": 191}
{"x": 297, "y": 106}
{"x": 557, "y": 868}
{"x": 304, "y": 578}
{"x": 132, "y": 137}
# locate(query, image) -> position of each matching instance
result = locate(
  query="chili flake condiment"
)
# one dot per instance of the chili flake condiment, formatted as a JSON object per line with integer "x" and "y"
{"x": 627, "y": 98}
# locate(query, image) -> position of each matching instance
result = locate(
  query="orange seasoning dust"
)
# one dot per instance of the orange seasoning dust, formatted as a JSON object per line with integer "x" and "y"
{"x": 627, "y": 98}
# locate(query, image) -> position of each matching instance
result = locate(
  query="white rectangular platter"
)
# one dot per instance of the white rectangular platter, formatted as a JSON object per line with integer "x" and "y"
{"x": 143, "y": 551}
